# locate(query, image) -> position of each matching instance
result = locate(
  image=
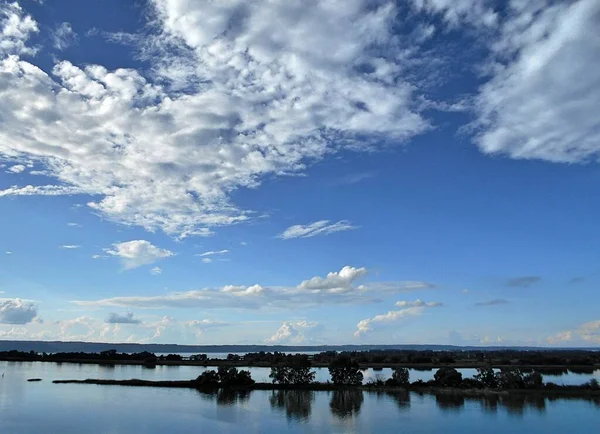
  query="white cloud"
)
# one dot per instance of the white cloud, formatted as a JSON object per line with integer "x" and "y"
{"x": 241, "y": 91}
{"x": 366, "y": 325}
{"x": 213, "y": 253}
{"x": 156, "y": 271}
{"x": 17, "y": 168}
{"x": 588, "y": 333}
{"x": 16, "y": 311}
{"x": 336, "y": 288}
{"x": 291, "y": 332}
{"x": 8, "y": 252}
{"x": 115, "y": 318}
{"x": 74, "y": 225}
{"x": 70, "y": 246}
{"x": 137, "y": 253}
{"x": 15, "y": 29}
{"x": 541, "y": 101}
{"x": 207, "y": 260}
{"x": 409, "y": 309}
{"x": 334, "y": 282}
{"x": 243, "y": 291}
{"x": 63, "y": 36}
{"x": 418, "y": 303}
{"x": 321, "y": 227}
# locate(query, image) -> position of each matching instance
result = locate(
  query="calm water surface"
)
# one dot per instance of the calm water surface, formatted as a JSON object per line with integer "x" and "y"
{"x": 70, "y": 408}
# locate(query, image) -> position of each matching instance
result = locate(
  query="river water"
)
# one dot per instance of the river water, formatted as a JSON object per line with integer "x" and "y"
{"x": 44, "y": 407}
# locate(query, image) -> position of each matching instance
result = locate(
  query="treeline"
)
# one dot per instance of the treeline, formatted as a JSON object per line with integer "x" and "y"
{"x": 346, "y": 371}
{"x": 552, "y": 362}
{"x": 103, "y": 356}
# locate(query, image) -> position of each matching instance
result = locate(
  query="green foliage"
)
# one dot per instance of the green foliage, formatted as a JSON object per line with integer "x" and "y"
{"x": 448, "y": 377}
{"x": 401, "y": 376}
{"x": 224, "y": 377}
{"x": 208, "y": 378}
{"x": 510, "y": 378}
{"x": 344, "y": 370}
{"x": 533, "y": 380}
{"x": 292, "y": 375}
{"x": 487, "y": 377}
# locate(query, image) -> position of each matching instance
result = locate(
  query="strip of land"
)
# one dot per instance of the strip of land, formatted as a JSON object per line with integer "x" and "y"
{"x": 571, "y": 391}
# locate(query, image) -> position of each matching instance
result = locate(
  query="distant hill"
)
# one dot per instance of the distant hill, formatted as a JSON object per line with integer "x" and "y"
{"x": 94, "y": 347}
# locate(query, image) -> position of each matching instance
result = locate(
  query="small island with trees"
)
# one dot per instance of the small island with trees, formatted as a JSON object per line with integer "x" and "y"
{"x": 295, "y": 372}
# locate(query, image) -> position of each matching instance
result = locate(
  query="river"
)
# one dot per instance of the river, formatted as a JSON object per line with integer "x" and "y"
{"x": 43, "y": 407}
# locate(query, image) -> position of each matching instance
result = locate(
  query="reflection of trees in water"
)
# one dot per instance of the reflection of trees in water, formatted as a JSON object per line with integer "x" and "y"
{"x": 297, "y": 403}
{"x": 346, "y": 402}
{"x": 449, "y": 402}
{"x": 400, "y": 397}
{"x": 226, "y": 397}
{"x": 516, "y": 404}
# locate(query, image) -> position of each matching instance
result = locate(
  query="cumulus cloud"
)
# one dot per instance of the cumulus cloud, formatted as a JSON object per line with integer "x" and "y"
{"x": 523, "y": 282}
{"x": 17, "y": 168}
{"x": 137, "y": 253}
{"x": 336, "y": 288}
{"x": 238, "y": 91}
{"x": 115, "y": 318}
{"x": 16, "y": 27}
{"x": 321, "y": 227}
{"x": 495, "y": 302}
{"x": 16, "y": 311}
{"x": 63, "y": 36}
{"x": 291, "y": 332}
{"x": 335, "y": 282}
{"x": 588, "y": 333}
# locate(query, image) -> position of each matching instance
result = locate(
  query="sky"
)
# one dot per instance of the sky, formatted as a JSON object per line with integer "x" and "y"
{"x": 315, "y": 172}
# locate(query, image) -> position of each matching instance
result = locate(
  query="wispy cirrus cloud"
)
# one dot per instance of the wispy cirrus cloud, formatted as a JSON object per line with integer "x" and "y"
{"x": 63, "y": 36}
{"x": 321, "y": 227}
{"x": 213, "y": 253}
{"x": 523, "y": 282}
{"x": 495, "y": 302}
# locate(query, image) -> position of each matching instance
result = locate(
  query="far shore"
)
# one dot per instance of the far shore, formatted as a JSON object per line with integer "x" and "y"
{"x": 314, "y": 364}
{"x": 564, "y": 391}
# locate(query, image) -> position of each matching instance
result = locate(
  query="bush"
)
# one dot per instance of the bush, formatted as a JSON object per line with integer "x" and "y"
{"x": 344, "y": 370}
{"x": 486, "y": 376}
{"x": 401, "y": 376}
{"x": 448, "y": 377}
{"x": 510, "y": 378}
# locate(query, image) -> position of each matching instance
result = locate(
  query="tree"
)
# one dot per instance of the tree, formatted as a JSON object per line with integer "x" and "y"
{"x": 344, "y": 370}
{"x": 292, "y": 375}
{"x": 401, "y": 376}
{"x": 510, "y": 378}
{"x": 231, "y": 377}
{"x": 448, "y": 377}
{"x": 208, "y": 378}
{"x": 533, "y": 380}
{"x": 487, "y": 377}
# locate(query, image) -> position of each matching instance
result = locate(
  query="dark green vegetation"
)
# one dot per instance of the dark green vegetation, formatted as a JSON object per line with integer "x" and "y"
{"x": 346, "y": 375}
{"x": 543, "y": 361}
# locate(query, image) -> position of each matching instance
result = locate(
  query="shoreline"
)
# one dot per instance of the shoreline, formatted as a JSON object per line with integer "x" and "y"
{"x": 566, "y": 391}
{"x": 245, "y": 364}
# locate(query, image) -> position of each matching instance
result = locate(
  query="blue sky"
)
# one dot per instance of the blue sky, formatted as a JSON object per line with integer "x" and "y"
{"x": 364, "y": 171}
